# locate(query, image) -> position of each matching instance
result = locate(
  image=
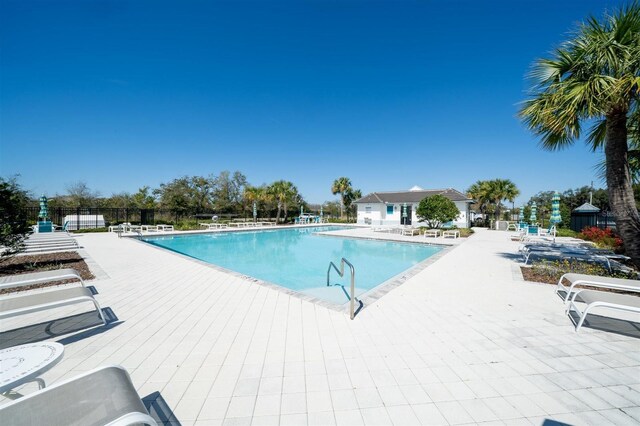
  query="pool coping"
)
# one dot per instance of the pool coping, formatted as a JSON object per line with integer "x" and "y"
{"x": 367, "y": 298}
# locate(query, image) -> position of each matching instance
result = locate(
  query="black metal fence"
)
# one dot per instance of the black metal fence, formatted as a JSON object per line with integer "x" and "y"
{"x": 96, "y": 217}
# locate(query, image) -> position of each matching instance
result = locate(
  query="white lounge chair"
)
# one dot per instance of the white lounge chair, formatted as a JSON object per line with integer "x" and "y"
{"x": 595, "y": 281}
{"x": 431, "y": 233}
{"x": 568, "y": 255}
{"x": 14, "y": 305}
{"x": 410, "y": 231}
{"x": 11, "y": 281}
{"x": 104, "y": 396}
{"x": 596, "y": 299}
{"x": 451, "y": 234}
{"x": 383, "y": 228}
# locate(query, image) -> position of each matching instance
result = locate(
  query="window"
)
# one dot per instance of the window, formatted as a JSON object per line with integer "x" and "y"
{"x": 389, "y": 208}
{"x": 367, "y": 209}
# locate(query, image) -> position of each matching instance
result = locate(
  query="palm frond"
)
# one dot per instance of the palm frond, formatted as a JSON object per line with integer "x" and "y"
{"x": 597, "y": 135}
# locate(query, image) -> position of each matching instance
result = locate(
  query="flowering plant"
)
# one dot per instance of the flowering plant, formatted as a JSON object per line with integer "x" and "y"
{"x": 602, "y": 237}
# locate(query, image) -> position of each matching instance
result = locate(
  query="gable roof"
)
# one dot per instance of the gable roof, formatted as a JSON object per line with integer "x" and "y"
{"x": 411, "y": 196}
{"x": 586, "y": 208}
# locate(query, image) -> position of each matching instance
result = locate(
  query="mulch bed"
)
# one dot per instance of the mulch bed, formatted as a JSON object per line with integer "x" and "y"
{"x": 44, "y": 262}
{"x": 530, "y": 275}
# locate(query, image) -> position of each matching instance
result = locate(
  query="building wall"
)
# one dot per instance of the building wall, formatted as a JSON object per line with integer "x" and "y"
{"x": 391, "y": 214}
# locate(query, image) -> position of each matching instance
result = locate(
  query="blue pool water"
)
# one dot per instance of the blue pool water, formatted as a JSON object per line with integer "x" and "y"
{"x": 298, "y": 258}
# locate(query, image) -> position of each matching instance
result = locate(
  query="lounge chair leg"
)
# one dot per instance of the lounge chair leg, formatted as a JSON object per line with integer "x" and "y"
{"x": 100, "y": 313}
{"x": 582, "y": 318}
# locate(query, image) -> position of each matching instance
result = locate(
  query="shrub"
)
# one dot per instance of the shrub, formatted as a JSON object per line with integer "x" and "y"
{"x": 338, "y": 220}
{"x": 436, "y": 210}
{"x": 605, "y": 238}
{"x": 566, "y": 232}
{"x": 13, "y": 227}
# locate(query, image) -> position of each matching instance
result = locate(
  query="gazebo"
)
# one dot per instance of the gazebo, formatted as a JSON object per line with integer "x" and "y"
{"x": 584, "y": 216}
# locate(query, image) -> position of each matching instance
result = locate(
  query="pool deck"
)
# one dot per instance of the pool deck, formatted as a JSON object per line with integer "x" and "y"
{"x": 463, "y": 341}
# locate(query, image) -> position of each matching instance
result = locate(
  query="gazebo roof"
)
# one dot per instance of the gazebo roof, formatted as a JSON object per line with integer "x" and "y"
{"x": 586, "y": 208}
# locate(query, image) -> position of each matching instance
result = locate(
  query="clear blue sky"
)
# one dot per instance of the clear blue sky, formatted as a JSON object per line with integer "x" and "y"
{"x": 122, "y": 94}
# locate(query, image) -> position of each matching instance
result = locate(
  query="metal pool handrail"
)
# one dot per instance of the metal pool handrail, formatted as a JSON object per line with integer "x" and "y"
{"x": 353, "y": 282}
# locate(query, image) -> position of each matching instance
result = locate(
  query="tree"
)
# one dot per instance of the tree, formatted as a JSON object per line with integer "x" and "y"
{"x": 331, "y": 208}
{"x": 489, "y": 194}
{"x": 593, "y": 78}
{"x": 479, "y": 192}
{"x": 13, "y": 225}
{"x": 350, "y": 196}
{"x": 436, "y": 210}
{"x": 284, "y": 193}
{"x": 79, "y": 195}
{"x": 176, "y": 195}
{"x": 143, "y": 198}
{"x": 501, "y": 190}
{"x": 228, "y": 191}
{"x": 341, "y": 186}
{"x": 254, "y": 194}
{"x": 201, "y": 190}
{"x": 122, "y": 200}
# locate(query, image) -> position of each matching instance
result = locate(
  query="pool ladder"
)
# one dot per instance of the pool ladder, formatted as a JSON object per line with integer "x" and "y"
{"x": 352, "y": 296}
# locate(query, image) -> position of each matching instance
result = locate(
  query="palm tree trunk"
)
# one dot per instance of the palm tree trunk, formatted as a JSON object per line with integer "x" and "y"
{"x": 278, "y": 215}
{"x": 619, "y": 184}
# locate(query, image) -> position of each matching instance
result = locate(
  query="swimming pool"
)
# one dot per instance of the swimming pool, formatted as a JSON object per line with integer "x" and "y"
{"x": 298, "y": 258}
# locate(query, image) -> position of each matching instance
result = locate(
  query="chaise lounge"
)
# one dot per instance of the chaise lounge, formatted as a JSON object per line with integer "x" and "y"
{"x": 595, "y": 281}
{"x": 11, "y": 281}
{"x": 102, "y": 396}
{"x": 597, "y": 299}
{"x": 14, "y": 305}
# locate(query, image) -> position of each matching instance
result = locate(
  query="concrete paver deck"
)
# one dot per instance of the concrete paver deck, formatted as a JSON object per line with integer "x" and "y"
{"x": 460, "y": 342}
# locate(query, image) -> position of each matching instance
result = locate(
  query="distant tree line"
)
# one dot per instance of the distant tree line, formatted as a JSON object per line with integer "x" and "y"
{"x": 226, "y": 194}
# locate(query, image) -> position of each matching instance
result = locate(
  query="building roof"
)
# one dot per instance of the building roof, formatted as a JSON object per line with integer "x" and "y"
{"x": 411, "y": 196}
{"x": 586, "y": 208}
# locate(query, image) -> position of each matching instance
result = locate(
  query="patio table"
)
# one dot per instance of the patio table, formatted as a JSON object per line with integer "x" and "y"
{"x": 24, "y": 363}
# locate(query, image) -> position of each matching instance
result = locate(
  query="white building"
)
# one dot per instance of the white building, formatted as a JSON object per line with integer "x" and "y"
{"x": 385, "y": 208}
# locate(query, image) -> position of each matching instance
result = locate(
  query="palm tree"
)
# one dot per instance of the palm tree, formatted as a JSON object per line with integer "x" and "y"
{"x": 500, "y": 190}
{"x": 593, "y": 77}
{"x": 479, "y": 192}
{"x": 253, "y": 194}
{"x": 284, "y": 193}
{"x": 341, "y": 186}
{"x": 350, "y": 196}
